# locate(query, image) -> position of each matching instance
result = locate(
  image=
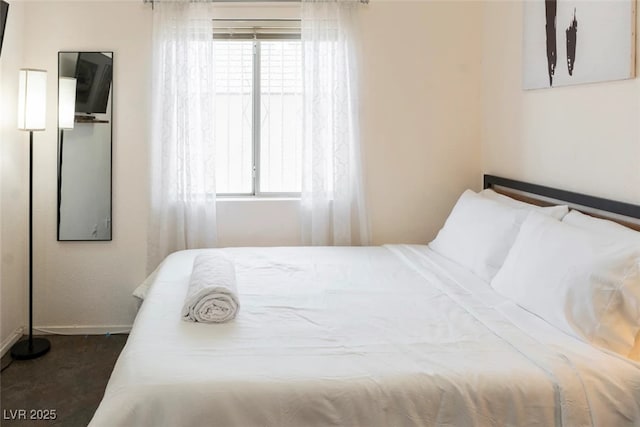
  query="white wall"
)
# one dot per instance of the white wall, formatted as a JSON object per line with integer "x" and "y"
{"x": 89, "y": 283}
{"x": 421, "y": 113}
{"x": 420, "y": 120}
{"x": 14, "y": 174}
{"x": 584, "y": 138}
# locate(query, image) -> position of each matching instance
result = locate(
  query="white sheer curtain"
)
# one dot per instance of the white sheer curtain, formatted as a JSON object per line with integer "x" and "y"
{"x": 333, "y": 202}
{"x": 183, "y": 201}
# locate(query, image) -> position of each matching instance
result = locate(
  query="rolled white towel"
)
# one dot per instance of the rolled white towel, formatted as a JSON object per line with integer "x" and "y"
{"x": 212, "y": 296}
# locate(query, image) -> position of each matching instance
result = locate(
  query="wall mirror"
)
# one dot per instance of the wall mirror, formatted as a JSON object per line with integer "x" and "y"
{"x": 85, "y": 112}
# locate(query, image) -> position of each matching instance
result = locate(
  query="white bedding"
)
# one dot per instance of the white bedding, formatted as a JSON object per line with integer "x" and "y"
{"x": 378, "y": 336}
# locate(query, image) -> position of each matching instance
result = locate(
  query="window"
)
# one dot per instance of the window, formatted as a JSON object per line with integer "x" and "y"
{"x": 258, "y": 112}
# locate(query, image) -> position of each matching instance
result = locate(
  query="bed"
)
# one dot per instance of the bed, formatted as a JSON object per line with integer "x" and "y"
{"x": 397, "y": 335}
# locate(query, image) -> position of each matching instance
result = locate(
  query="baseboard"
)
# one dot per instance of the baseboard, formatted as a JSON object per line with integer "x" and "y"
{"x": 81, "y": 330}
{"x": 10, "y": 340}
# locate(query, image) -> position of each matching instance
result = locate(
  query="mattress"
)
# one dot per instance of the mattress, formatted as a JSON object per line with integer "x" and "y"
{"x": 376, "y": 336}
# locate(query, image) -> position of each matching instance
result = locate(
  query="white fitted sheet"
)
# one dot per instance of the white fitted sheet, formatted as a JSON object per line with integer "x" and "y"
{"x": 375, "y": 336}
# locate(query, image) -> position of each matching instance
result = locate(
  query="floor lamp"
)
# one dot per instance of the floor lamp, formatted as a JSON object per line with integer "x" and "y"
{"x": 32, "y": 98}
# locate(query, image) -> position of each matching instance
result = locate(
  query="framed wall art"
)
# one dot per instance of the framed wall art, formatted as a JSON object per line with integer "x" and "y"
{"x": 568, "y": 42}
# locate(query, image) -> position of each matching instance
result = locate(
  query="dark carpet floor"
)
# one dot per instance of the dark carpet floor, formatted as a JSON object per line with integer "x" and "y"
{"x": 70, "y": 379}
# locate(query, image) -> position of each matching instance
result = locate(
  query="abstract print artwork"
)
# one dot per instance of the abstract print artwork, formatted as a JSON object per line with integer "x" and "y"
{"x": 567, "y": 42}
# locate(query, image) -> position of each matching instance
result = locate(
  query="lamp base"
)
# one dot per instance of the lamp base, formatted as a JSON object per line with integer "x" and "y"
{"x": 25, "y": 349}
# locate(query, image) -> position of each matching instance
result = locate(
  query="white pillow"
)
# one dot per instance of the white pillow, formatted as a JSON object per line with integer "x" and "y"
{"x": 479, "y": 233}
{"x": 557, "y": 212}
{"x": 606, "y": 228}
{"x": 577, "y": 280}
{"x": 611, "y": 230}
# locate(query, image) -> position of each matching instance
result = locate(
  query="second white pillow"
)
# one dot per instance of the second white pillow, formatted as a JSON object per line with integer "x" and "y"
{"x": 583, "y": 284}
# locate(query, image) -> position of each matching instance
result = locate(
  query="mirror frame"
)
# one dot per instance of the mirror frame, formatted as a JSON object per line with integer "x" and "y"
{"x": 61, "y": 147}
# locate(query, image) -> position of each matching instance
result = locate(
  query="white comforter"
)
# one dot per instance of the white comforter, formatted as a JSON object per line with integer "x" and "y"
{"x": 379, "y": 336}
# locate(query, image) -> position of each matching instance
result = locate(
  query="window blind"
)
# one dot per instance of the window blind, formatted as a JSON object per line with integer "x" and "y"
{"x": 273, "y": 29}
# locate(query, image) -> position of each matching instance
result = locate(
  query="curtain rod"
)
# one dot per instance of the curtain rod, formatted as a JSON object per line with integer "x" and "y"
{"x": 246, "y": 1}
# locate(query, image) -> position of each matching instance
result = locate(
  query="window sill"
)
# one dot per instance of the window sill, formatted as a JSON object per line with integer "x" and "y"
{"x": 224, "y": 199}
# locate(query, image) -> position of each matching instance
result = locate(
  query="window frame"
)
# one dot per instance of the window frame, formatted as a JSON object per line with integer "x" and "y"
{"x": 256, "y": 36}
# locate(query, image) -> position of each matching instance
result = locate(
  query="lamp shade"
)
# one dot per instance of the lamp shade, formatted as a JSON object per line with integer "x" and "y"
{"x": 32, "y": 99}
{"x": 66, "y": 102}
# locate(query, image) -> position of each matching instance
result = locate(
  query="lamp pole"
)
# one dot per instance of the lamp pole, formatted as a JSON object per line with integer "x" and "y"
{"x": 32, "y": 347}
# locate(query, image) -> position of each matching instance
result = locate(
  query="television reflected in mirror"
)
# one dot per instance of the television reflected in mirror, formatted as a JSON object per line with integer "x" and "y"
{"x": 4, "y": 12}
{"x": 85, "y": 116}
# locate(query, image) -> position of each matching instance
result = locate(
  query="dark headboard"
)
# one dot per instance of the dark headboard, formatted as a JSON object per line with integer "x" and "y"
{"x": 623, "y": 213}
